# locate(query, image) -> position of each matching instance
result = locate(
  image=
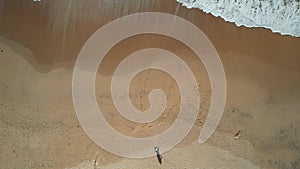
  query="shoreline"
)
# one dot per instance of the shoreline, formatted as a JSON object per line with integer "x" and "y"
{"x": 55, "y": 43}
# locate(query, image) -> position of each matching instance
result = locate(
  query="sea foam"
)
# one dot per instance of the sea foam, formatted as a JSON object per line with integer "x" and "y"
{"x": 282, "y": 16}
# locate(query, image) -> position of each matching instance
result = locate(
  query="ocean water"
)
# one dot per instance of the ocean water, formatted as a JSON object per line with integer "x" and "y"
{"x": 281, "y": 16}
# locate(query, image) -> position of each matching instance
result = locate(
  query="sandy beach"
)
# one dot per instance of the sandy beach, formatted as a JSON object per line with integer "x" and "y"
{"x": 41, "y": 41}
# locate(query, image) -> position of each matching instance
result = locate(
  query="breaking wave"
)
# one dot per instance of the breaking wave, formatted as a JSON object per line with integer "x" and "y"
{"x": 282, "y": 16}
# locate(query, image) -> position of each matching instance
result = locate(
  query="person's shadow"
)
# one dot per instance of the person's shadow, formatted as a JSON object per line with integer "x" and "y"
{"x": 159, "y": 158}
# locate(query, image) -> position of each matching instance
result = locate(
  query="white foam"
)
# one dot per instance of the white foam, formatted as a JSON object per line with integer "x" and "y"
{"x": 282, "y": 16}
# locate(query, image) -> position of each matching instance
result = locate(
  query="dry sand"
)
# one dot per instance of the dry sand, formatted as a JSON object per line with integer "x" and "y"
{"x": 38, "y": 124}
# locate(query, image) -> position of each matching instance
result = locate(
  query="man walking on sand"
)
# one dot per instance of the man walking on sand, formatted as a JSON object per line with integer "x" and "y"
{"x": 159, "y": 157}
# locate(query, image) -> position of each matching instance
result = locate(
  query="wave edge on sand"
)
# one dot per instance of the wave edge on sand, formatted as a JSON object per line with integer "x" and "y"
{"x": 282, "y": 16}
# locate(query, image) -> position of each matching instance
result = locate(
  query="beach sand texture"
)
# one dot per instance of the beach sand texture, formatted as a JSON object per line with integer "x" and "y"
{"x": 40, "y": 42}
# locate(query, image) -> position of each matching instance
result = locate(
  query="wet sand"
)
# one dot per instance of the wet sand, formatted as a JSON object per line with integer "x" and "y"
{"x": 38, "y": 125}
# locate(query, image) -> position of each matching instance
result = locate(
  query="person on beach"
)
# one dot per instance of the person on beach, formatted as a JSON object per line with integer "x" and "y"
{"x": 159, "y": 157}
